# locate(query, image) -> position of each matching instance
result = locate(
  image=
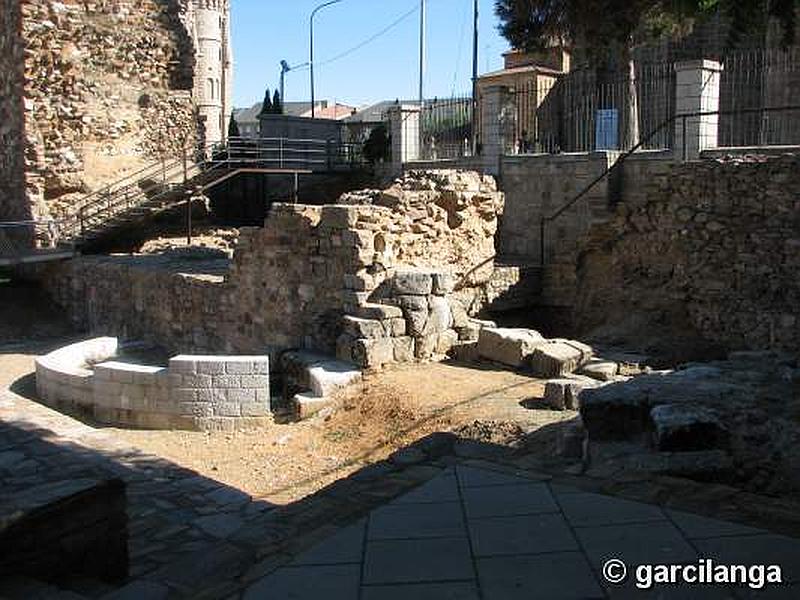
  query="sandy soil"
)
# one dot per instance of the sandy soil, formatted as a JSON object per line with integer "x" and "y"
{"x": 388, "y": 411}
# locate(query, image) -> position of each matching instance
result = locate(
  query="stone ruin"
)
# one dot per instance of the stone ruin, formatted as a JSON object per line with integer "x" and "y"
{"x": 396, "y": 278}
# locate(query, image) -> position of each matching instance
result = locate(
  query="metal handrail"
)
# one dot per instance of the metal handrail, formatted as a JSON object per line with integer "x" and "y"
{"x": 158, "y": 180}
{"x": 621, "y": 159}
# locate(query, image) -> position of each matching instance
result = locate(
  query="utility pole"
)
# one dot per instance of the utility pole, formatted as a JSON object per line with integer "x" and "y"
{"x": 421, "y": 52}
{"x": 285, "y": 68}
{"x": 475, "y": 80}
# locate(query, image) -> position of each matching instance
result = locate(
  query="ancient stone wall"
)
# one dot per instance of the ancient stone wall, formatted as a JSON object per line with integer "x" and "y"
{"x": 12, "y": 149}
{"x": 716, "y": 245}
{"x": 107, "y": 88}
{"x": 293, "y": 281}
{"x": 539, "y": 185}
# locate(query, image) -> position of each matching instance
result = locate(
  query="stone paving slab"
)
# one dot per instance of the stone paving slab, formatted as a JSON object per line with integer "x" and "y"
{"x": 508, "y": 533}
{"x": 555, "y": 549}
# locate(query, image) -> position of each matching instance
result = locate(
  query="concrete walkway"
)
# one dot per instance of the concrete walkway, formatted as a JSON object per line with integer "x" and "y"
{"x": 472, "y": 533}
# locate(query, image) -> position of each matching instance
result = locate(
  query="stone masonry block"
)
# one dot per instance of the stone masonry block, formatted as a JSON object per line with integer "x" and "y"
{"x": 226, "y": 381}
{"x": 261, "y": 366}
{"x": 373, "y": 353}
{"x": 445, "y": 341}
{"x": 379, "y": 312}
{"x": 414, "y": 283}
{"x": 425, "y": 347}
{"x": 363, "y": 328}
{"x": 211, "y": 367}
{"x": 255, "y": 381}
{"x": 182, "y": 395}
{"x": 559, "y": 358}
{"x": 241, "y": 395}
{"x": 243, "y": 367}
{"x": 132, "y": 391}
{"x": 564, "y": 394}
{"x": 182, "y": 364}
{"x": 440, "y": 319}
{"x": 195, "y": 409}
{"x": 196, "y": 381}
{"x": 443, "y": 283}
{"x": 228, "y": 409}
{"x": 394, "y": 327}
{"x": 508, "y": 346}
{"x": 403, "y": 349}
{"x": 210, "y": 395}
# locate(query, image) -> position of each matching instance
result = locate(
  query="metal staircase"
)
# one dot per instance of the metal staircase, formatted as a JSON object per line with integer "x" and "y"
{"x": 165, "y": 184}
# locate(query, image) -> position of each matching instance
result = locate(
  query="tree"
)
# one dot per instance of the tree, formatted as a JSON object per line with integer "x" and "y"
{"x": 233, "y": 127}
{"x": 378, "y": 145}
{"x": 266, "y": 106}
{"x": 617, "y": 27}
{"x": 277, "y": 103}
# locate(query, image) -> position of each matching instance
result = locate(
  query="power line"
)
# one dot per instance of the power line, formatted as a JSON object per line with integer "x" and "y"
{"x": 370, "y": 39}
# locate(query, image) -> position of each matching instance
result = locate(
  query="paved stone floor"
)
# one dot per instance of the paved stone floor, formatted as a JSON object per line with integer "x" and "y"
{"x": 472, "y": 533}
{"x": 433, "y": 523}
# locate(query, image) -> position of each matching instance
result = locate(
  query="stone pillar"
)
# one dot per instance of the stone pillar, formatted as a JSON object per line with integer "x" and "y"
{"x": 496, "y": 118}
{"x": 405, "y": 128}
{"x": 696, "y": 90}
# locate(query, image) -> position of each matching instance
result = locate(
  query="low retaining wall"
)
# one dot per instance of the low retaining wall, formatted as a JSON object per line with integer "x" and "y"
{"x": 194, "y": 392}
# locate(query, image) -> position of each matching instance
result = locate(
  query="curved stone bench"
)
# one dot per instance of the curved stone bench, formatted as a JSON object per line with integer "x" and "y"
{"x": 193, "y": 392}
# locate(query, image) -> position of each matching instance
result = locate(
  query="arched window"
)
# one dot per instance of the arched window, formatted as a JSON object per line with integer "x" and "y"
{"x": 210, "y": 89}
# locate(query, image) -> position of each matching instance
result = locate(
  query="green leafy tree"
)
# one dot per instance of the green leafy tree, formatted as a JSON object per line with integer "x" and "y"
{"x": 266, "y": 106}
{"x": 277, "y": 103}
{"x": 617, "y": 27}
{"x": 233, "y": 127}
{"x": 378, "y": 145}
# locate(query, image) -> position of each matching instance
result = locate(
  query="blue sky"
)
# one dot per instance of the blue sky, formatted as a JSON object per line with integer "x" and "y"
{"x": 267, "y": 31}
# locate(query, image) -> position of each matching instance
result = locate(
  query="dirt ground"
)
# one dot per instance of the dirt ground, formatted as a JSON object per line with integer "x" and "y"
{"x": 283, "y": 462}
{"x": 388, "y": 411}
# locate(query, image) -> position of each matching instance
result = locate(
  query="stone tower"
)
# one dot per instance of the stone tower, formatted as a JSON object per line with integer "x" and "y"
{"x": 209, "y": 26}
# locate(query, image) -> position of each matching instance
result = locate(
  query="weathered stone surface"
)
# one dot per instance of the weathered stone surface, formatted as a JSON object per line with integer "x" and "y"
{"x": 440, "y": 319}
{"x": 403, "y": 349}
{"x": 599, "y": 369}
{"x": 443, "y": 283}
{"x": 564, "y": 394}
{"x": 687, "y": 428}
{"x": 445, "y": 341}
{"x": 416, "y": 312}
{"x": 617, "y": 411}
{"x": 363, "y": 328}
{"x": 510, "y": 347}
{"x": 373, "y": 353}
{"x": 415, "y": 283}
{"x": 558, "y": 358}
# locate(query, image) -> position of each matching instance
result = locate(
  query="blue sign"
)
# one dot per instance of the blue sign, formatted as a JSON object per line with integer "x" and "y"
{"x": 606, "y": 133}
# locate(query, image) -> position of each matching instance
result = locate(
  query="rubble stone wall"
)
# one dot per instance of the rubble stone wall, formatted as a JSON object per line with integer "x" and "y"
{"x": 718, "y": 239}
{"x": 292, "y": 282}
{"x": 107, "y": 88}
{"x": 12, "y": 157}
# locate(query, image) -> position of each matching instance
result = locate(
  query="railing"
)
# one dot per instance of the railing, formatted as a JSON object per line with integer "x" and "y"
{"x": 161, "y": 180}
{"x": 582, "y": 112}
{"x": 19, "y": 238}
{"x": 674, "y": 121}
{"x": 446, "y": 128}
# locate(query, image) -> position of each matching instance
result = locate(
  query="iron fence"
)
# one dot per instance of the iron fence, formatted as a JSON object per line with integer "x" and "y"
{"x": 588, "y": 110}
{"x": 752, "y": 81}
{"x": 446, "y": 128}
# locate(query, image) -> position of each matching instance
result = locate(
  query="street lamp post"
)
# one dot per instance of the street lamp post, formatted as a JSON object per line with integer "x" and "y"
{"x": 311, "y": 49}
